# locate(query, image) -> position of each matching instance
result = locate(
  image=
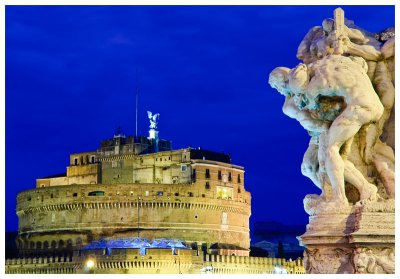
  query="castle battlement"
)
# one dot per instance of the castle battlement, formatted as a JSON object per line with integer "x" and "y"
{"x": 155, "y": 261}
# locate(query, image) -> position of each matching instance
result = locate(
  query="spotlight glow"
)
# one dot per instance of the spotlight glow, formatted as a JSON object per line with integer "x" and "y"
{"x": 90, "y": 264}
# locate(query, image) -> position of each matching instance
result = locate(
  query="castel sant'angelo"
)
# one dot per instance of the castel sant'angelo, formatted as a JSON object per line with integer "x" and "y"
{"x": 135, "y": 205}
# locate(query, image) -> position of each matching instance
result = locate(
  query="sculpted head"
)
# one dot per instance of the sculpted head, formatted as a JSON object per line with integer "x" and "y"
{"x": 299, "y": 79}
{"x": 279, "y": 79}
{"x": 328, "y": 24}
{"x": 364, "y": 261}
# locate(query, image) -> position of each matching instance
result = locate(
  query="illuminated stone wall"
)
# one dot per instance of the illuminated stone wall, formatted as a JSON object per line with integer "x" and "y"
{"x": 155, "y": 261}
{"x": 68, "y": 216}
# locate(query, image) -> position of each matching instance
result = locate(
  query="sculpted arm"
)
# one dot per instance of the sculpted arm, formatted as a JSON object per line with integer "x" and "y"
{"x": 304, "y": 117}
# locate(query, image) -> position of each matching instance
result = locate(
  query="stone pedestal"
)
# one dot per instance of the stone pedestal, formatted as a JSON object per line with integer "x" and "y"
{"x": 357, "y": 239}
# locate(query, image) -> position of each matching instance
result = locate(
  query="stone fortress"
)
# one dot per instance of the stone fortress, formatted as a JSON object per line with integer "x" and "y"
{"x": 135, "y": 205}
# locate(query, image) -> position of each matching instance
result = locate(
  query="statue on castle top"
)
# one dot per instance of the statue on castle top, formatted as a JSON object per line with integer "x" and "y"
{"x": 153, "y": 119}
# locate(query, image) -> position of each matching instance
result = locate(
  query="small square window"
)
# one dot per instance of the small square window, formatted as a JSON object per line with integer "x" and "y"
{"x": 183, "y": 168}
{"x": 160, "y": 193}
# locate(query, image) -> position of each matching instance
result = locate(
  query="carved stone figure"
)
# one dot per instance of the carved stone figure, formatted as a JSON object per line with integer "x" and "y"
{"x": 379, "y": 261}
{"x": 343, "y": 95}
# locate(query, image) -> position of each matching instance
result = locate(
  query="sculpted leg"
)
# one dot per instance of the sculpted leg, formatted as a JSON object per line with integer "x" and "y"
{"x": 343, "y": 128}
{"x": 355, "y": 177}
{"x": 334, "y": 167}
{"x": 309, "y": 166}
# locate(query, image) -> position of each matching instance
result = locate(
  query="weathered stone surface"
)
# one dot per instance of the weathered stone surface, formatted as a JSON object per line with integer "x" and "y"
{"x": 343, "y": 95}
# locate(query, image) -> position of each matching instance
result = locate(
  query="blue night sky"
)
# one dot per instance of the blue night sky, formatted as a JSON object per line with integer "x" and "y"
{"x": 70, "y": 82}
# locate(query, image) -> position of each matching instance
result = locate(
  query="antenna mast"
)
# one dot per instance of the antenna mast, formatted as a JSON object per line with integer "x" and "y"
{"x": 137, "y": 101}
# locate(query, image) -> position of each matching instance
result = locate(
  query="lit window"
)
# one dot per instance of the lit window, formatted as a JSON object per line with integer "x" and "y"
{"x": 96, "y": 193}
{"x": 146, "y": 193}
{"x": 224, "y": 193}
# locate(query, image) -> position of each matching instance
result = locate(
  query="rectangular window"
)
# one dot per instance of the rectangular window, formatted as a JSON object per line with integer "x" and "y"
{"x": 114, "y": 164}
{"x": 194, "y": 175}
{"x": 219, "y": 175}
{"x": 208, "y": 185}
{"x": 75, "y": 161}
{"x": 160, "y": 193}
{"x": 92, "y": 159}
{"x": 224, "y": 193}
{"x": 230, "y": 177}
{"x": 183, "y": 168}
{"x": 239, "y": 180}
{"x": 75, "y": 195}
{"x": 207, "y": 173}
{"x": 190, "y": 194}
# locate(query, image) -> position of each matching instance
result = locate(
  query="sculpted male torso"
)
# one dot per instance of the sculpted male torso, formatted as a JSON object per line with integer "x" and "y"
{"x": 336, "y": 75}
